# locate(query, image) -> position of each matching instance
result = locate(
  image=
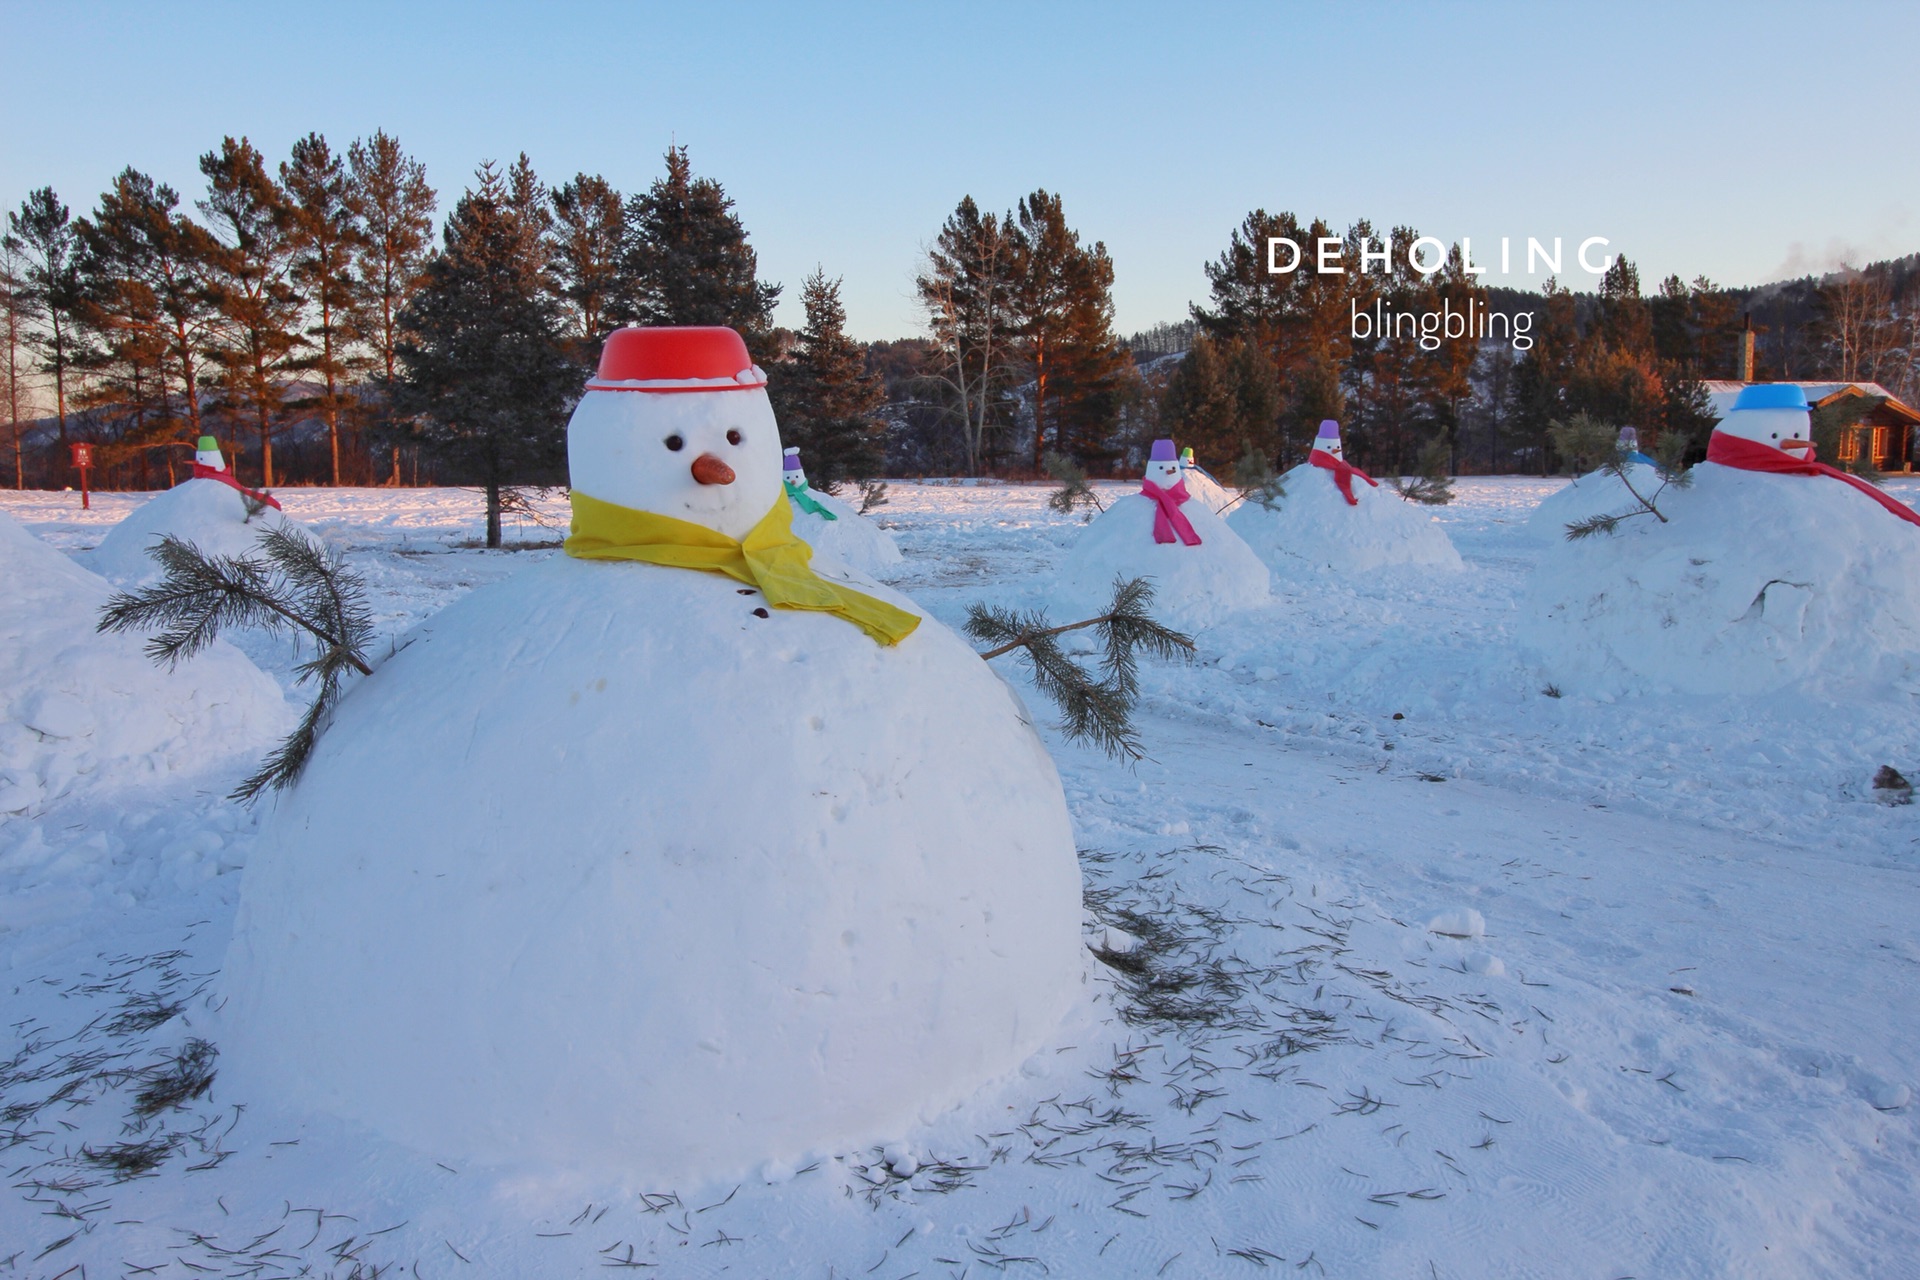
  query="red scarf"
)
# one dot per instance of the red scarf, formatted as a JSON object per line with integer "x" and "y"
{"x": 201, "y": 471}
{"x": 1168, "y": 518}
{"x": 1343, "y": 473}
{"x": 1750, "y": 455}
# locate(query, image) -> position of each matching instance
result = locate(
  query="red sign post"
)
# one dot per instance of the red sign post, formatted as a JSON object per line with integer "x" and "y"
{"x": 82, "y": 459}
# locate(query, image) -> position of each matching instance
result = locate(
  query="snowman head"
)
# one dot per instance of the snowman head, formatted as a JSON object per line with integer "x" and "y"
{"x": 1771, "y": 413}
{"x": 791, "y": 471}
{"x": 1328, "y": 439}
{"x": 1186, "y": 457}
{"x": 677, "y": 423}
{"x": 206, "y": 452}
{"x": 1629, "y": 441}
{"x": 1163, "y": 465}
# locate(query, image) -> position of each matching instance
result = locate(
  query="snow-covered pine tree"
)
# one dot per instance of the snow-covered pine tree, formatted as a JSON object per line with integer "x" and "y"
{"x": 481, "y": 354}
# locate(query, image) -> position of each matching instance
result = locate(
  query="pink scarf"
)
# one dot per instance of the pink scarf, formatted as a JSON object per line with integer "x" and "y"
{"x": 1343, "y": 473}
{"x": 1751, "y": 455}
{"x": 1168, "y": 519}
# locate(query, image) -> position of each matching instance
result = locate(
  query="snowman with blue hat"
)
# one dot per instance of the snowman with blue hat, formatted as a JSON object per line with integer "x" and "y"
{"x": 1765, "y": 570}
{"x": 831, "y": 526}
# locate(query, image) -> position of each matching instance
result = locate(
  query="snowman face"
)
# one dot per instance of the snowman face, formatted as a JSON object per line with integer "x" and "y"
{"x": 1329, "y": 445}
{"x": 1781, "y": 428}
{"x": 211, "y": 459}
{"x": 796, "y": 476}
{"x": 1164, "y": 473}
{"x": 708, "y": 457}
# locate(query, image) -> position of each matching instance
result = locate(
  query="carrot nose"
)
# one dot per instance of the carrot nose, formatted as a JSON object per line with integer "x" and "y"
{"x": 708, "y": 469}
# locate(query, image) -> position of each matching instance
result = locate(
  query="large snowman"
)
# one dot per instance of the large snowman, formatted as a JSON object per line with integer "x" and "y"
{"x": 1200, "y": 569}
{"x": 665, "y": 856}
{"x": 1769, "y": 571}
{"x": 210, "y": 509}
{"x": 1597, "y": 493}
{"x": 833, "y": 528}
{"x": 1335, "y": 516}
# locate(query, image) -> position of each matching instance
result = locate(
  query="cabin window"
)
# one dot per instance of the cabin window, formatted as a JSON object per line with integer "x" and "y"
{"x": 1880, "y": 438}
{"x": 1850, "y": 444}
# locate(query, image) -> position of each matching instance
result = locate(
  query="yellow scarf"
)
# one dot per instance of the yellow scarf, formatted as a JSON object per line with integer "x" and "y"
{"x": 769, "y": 558}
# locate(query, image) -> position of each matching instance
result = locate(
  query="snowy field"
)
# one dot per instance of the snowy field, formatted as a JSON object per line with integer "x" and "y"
{"x": 1433, "y": 973}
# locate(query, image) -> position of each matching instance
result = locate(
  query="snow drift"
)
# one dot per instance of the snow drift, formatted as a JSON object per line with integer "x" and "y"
{"x": 80, "y": 710}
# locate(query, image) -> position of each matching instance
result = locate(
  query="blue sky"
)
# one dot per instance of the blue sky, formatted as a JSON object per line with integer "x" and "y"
{"x": 1746, "y": 142}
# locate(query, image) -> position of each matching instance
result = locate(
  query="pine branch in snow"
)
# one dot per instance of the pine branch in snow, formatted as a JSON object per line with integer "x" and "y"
{"x": 1074, "y": 491}
{"x": 1097, "y": 711}
{"x": 297, "y": 585}
{"x": 873, "y": 493}
{"x": 1668, "y": 464}
{"x": 1257, "y": 481}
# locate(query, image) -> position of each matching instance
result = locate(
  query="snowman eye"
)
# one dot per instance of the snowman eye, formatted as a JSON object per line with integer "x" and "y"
{"x": 734, "y": 437}
{"x": 675, "y": 443}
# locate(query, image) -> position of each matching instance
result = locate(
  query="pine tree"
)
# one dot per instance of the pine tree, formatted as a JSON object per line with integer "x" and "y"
{"x": 687, "y": 260}
{"x": 967, "y": 289}
{"x": 826, "y": 399}
{"x": 589, "y": 224}
{"x": 1064, "y": 300}
{"x": 396, "y": 204}
{"x": 1221, "y": 400}
{"x": 252, "y": 268}
{"x": 121, "y": 341}
{"x": 148, "y": 268}
{"x": 326, "y": 234}
{"x": 43, "y": 233}
{"x": 481, "y": 352}
{"x": 14, "y": 316}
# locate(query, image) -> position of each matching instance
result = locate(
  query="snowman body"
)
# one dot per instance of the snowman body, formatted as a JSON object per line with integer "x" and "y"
{"x": 615, "y": 867}
{"x": 1754, "y": 582}
{"x": 1597, "y": 493}
{"x": 1313, "y": 527}
{"x": 1203, "y": 488}
{"x": 1194, "y": 586}
{"x": 848, "y": 537}
{"x": 209, "y": 514}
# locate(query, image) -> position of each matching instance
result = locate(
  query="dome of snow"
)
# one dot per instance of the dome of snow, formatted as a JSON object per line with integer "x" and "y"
{"x": 1595, "y": 494}
{"x": 1192, "y": 586}
{"x": 615, "y": 867}
{"x": 850, "y": 537}
{"x": 209, "y": 514}
{"x": 1205, "y": 490}
{"x": 1313, "y": 526}
{"x": 80, "y": 710}
{"x": 1755, "y": 582}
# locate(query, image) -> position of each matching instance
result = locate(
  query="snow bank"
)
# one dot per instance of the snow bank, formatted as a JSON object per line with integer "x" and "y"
{"x": 1755, "y": 583}
{"x": 1204, "y": 489}
{"x": 210, "y": 515}
{"x": 1595, "y": 494}
{"x": 605, "y": 870}
{"x": 851, "y": 538}
{"x": 1193, "y": 586}
{"x": 1314, "y": 527}
{"x": 81, "y": 711}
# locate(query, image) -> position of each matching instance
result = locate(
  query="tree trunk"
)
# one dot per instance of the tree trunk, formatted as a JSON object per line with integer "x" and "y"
{"x": 266, "y": 451}
{"x": 493, "y": 515}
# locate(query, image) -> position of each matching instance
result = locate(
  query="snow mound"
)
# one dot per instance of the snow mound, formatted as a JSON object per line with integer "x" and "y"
{"x": 1463, "y": 922}
{"x": 1314, "y": 527}
{"x": 80, "y": 711}
{"x": 209, "y": 514}
{"x": 1595, "y": 494}
{"x": 1193, "y": 586}
{"x": 1207, "y": 491}
{"x": 605, "y": 870}
{"x": 1755, "y": 582}
{"x": 851, "y": 538}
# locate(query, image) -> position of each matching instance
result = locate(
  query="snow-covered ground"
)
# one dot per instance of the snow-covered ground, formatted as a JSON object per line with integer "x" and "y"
{"x": 1413, "y": 969}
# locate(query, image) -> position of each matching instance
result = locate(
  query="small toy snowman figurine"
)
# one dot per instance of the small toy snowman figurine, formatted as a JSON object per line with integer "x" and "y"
{"x": 1330, "y": 455}
{"x": 1163, "y": 484}
{"x": 794, "y": 476}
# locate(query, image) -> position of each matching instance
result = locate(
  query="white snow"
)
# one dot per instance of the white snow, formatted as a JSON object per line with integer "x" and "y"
{"x": 1313, "y": 528}
{"x": 1371, "y": 1102}
{"x": 86, "y": 714}
{"x": 850, "y": 537}
{"x": 210, "y": 515}
{"x": 1204, "y": 489}
{"x": 1752, "y": 583}
{"x": 1194, "y": 587}
{"x": 1597, "y": 493}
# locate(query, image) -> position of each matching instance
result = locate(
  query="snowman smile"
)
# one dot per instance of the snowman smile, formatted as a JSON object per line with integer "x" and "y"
{"x": 708, "y": 469}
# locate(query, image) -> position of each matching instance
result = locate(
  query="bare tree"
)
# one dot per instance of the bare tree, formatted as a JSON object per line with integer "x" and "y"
{"x": 967, "y": 289}
{"x": 13, "y": 317}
